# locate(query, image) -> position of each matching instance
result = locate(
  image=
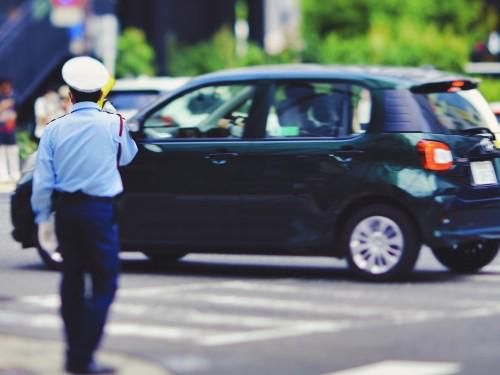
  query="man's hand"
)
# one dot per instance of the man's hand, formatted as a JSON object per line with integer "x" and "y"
{"x": 47, "y": 235}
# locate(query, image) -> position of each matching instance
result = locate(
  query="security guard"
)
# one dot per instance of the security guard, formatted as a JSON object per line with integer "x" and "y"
{"x": 77, "y": 170}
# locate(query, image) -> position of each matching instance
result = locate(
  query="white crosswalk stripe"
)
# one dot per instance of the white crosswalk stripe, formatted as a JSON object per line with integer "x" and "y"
{"x": 232, "y": 312}
{"x": 403, "y": 367}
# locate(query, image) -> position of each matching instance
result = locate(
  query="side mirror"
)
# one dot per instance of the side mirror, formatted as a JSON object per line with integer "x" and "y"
{"x": 133, "y": 126}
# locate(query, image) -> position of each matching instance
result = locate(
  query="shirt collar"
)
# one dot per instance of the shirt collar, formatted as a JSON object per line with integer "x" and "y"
{"x": 85, "y": 105}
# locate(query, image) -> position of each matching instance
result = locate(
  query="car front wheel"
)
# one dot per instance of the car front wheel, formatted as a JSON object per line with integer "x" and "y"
{"x": 381, "y": 243}
{"x": 469, "y": 257}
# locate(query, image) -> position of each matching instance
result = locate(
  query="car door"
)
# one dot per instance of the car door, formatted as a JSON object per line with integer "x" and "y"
{"x": 182, "y": 190}
{"x": 308, "y": 163}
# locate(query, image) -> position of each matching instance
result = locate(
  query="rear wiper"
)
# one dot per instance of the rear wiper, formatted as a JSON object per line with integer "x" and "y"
{"x": 480, "y": 130}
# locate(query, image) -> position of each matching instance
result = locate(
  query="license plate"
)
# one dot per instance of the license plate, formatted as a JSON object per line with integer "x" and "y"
{"x": 483, "y": 173}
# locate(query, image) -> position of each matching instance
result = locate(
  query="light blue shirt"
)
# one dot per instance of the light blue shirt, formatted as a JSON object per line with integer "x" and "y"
{"x": 78, "y": 152}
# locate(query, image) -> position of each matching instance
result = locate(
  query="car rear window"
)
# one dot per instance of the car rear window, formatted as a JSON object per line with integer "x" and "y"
{"x": 131, "y": 99}
{"x": 449, "y": 112}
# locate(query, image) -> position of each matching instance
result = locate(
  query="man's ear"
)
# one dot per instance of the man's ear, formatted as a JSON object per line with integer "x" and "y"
{"x": 72, "y": 97}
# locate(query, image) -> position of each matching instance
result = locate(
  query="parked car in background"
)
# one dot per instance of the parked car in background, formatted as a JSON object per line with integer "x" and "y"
{"x": 362, "y": 163}
{"x": 131, "y": 94}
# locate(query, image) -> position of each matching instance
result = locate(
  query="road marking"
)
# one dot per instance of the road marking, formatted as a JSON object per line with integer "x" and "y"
{"x": 484, "y": 277}
{"x": 272, "y": 334}
{"x": 268, "y": 303}
{"x": 200, "y": 336}
{"x": 289, "y": 305}
{"x": 7, "y": 187}
{"x": 403, "y": 367}
{"x": 52, "y": 321}
{"x": 194, "y": 316}
{"x": 292, "y": 289}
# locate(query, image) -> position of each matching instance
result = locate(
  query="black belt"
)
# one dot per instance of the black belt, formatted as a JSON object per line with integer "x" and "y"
{"x": 81, "y": 196}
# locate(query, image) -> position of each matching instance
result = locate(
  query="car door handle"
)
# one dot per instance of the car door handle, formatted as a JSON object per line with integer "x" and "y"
{"x": 341, "y": 159}
{"x": 220, "y": 158}
{"x": 345, "y": 156}
{"x": 222, "y": 155}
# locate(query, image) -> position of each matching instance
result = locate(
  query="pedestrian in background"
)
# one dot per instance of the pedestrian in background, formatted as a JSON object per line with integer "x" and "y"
{"x": 77, "y": 164}
{"x": 9, "y": 151}
{"x": 47, "y": 108}
{"x": 64, "y": 99}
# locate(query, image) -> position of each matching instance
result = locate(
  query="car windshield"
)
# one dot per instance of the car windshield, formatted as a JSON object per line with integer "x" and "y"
{"x": 461, "y": 110}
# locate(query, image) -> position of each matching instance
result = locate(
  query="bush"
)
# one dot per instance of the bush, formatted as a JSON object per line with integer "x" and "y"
{"x": 490, "y": 88}
{"x": 403, "y": 43}
{"x": 135, "y": 55}
{"x": 219, "y": 53}
{"x": 393, "y": 32}
{"x": 25, "y": 143}
{"x": 383, "y": 32}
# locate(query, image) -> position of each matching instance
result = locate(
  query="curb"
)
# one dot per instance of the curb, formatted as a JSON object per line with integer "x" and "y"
{"x": 24, "y": 356}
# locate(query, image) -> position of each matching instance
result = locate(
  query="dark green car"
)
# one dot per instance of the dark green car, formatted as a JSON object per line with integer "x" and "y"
{"x": 362, "y": 163}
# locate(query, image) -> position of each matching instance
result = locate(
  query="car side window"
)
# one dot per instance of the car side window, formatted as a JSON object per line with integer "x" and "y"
{"x": 208, "y": 112}
{"x": 318, "y": 109}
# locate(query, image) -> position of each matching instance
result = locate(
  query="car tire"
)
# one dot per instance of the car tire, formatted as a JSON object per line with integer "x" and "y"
{"x": 381, "y": 243}
{"x": 469, "y": 257}
{"x": 163, "y": 258}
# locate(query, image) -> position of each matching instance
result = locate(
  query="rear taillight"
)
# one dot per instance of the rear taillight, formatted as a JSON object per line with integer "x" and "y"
{"x": 436, "y": 156}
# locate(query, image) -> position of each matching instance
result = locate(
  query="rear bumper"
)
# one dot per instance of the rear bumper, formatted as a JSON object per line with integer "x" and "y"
{"x": 453, "y": 220}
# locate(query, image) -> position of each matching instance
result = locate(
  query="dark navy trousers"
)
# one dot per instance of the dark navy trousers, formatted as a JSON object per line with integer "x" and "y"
{"x": 88, "y": 239}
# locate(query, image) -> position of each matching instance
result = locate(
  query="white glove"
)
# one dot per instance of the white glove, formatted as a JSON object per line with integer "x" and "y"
{"x": 47, "y": 235}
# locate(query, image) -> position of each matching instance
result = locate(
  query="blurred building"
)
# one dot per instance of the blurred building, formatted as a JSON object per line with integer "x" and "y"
{"x": 37, "y": 36}
{"x": 281, "y": 25}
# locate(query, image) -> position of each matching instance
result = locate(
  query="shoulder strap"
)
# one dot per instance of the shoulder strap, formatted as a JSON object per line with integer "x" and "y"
{"x": 57, "y": 118}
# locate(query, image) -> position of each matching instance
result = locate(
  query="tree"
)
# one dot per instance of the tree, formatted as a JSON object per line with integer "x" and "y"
{"x": 392, "y": 32}
{"x": 135, "y": 55}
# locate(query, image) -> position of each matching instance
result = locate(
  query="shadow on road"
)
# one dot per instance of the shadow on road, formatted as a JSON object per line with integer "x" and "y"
{"x": 249, "y": 270}
{"x": 267, "y": 271}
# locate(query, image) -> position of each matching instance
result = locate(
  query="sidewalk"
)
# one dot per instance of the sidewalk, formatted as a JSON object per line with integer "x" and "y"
{"x": 24, "y": 356}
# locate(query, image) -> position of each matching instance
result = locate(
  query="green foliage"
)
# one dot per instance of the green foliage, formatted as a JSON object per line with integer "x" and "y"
{"x": 218, "y": 53}
{"x": 384, "y": 32}
{"x": 135, "y": 55}
{"x": 203, "y": 57}
{"x": 241, "y": 10}
{"x": 26, "y": 145}
{"x": 352, "y": 17}
{"x": 346, "y": 17}
{"x": 392, "y": 32}
{"x": 490, "y": 88}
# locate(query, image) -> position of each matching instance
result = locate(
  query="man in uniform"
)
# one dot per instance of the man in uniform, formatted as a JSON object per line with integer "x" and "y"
{"x": 77, "y": 174}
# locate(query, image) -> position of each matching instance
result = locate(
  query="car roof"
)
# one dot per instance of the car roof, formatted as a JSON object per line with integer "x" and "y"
{"x": 159, "y": 84}
{"x": 372, "y": 76}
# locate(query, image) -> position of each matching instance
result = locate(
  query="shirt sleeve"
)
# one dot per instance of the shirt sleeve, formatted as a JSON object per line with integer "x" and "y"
{"x": 127, "y": 146}
{"x": 43, "y": 181}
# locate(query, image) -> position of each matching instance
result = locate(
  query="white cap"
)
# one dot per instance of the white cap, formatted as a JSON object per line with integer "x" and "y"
{"x": 85, "y": 74}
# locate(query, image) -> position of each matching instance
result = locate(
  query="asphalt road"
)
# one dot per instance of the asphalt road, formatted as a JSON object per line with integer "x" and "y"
{"x": 226, "y": 315}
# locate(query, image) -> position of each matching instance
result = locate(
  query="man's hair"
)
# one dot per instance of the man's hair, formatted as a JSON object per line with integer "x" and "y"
{"x": 79, "y": 96}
